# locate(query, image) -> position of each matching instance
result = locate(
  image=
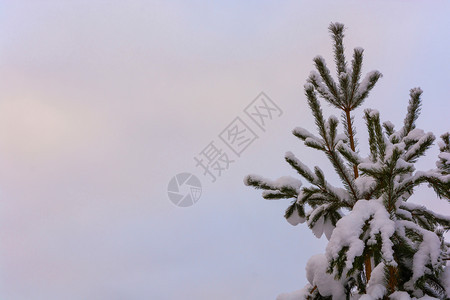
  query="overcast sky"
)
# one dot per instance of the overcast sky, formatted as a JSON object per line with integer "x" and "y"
{"x": 103, "y": 102}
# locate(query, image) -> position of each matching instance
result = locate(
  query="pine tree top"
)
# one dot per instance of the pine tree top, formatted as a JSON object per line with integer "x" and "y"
{"x": 380, "y": 244}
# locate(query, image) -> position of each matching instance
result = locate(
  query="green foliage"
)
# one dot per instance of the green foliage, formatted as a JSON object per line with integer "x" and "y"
{"x": 386, "y": 176}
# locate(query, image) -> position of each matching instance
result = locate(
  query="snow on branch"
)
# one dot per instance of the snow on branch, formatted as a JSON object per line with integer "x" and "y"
{"x": 365, "y": 87}
{"x": 301, "y": 168}
{"x": 283, "y": 187}
{"x": 327, "y": 285}
{"x": 349, "y": 237}
{"x": 413, "y": 110}
{"x": 356, "y": 69}
{"x": 310, "y": 139}
{"x": 443, "y": 163}
{"x": 418, "y": 148}
{"x": 324, "y": 83}
{"x": 350, "y": 155}
{"x": 428, "y": 219}
{"x": 428, "y": 252}
{"x": 337, "y": 33}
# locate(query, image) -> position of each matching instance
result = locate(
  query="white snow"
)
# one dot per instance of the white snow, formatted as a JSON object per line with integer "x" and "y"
{"x": 314, "y": 142}
{"x": 317, "y": 229}
{"x": 328, "y": 228}
{"x": 445, "y": 278}
{"x": 289, "y": 155}
{"x": 294, "y": 219}
{"x": 317, "y": 276}
{"x": 321, "y": 87}
{"x": 416, "y": 90}
{"x": 308, "y": 86}
{"x": 375, "y": 287}
{"x": 296, "y": 295}
{"x": 444, "y": 156}
{"x": 304, "y": 132}
{"x": 333, "y": 118}
{"x": 420, "y": 141}
{"x": 373, "y": 113}
{"x": 287, "y": 181}
{"x": 278, "y": 184}
{"x": 414, "y": 135}
{"x": 364, "y": 183}
{"x": 400, "y": 147}
{"x": 341, "y": 137}
{"x": 376, "y": 166}
{"x": 364, "y": 85}
{"x": 399, "y": 296}
{"x": 428, "y": 252}
{"x": 349, "y": 228}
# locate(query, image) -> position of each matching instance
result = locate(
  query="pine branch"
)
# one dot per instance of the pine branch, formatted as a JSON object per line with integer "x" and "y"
{"x": 365, "y": 87}
{"x": 295, "y": 207}
{"x": 324, "y": 83}
{"x": 389, "y": 172}
{"x": 283, "y": 188}
{"x": 316, "y": 110}
{"x": 443, "y": 163}
{"x": 276, "y": 195}
{"x": 351, "y": 156}
{"x": 421, "y": 212}
{"x": 433, "y": 287}
{"x": 345, "y": 88}
{"x": 325, "y": 191}
{"x": 331, "y": 126}
{"x": 356, "y": 71}
{"x": 303, "y": 134}
{"x": 413, "y": 111}
{"x": 329, "y": 144}
{"x": 440, "y": 185}
{"x": 348, "y": 125}
{"x": 389, "y": 128}
{"x": 301, "y": 168}
{"x": 343, "y": 173}
{"x": 316, "y": 214}
{"x": 373, "y": 146}
{"x": 445, "y": 145}
{"x": 381, "y": 144}
{"x": 337, "y": 33}
{"x": 419, "y": 148}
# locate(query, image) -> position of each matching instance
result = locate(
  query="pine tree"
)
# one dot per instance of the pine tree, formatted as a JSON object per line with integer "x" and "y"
{"x": 380, "y": 245}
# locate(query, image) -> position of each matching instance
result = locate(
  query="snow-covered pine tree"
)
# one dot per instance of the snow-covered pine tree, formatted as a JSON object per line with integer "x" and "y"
{"x": 380, "y": 245}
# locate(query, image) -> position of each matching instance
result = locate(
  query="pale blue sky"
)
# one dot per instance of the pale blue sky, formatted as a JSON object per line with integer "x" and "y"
{"x": 102, "y": 102}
